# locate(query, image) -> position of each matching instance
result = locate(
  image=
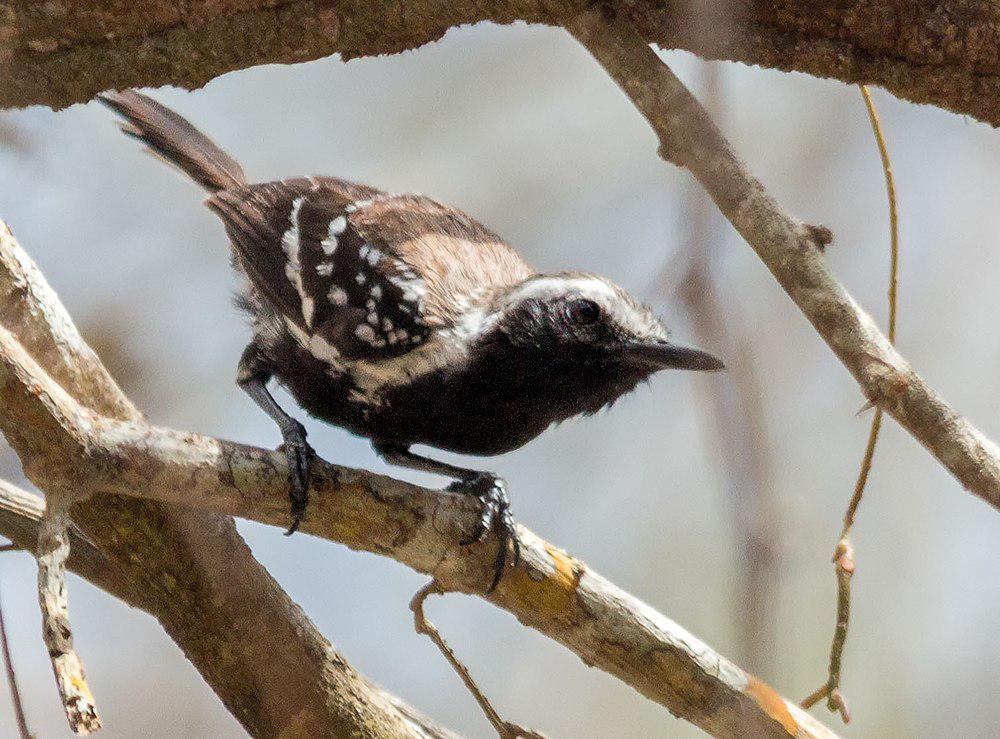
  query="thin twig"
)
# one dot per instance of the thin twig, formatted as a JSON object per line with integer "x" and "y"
{"x": 843, "y": 556}
{"x": 505, "y": 729}
{"x": 15, "y": 693}
{"x": 53, "y": 550}
{"x": 10, "y": 547}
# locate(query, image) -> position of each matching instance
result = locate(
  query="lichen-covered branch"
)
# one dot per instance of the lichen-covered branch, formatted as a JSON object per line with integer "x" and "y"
{"x": 942, "y": 53}
{"x": 53, "y": 551}
{"x": 59, "y": 440}
{"x": 793, "y": 251}
{"x": 20, "y": 520}
{"x": 190, "y": 569}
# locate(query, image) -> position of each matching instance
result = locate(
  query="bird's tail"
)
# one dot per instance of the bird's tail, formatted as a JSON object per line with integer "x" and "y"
{"x": 173, "y": 139}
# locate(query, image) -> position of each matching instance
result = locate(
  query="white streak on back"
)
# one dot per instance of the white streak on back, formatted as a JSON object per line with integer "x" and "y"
{"x": 291, "y": 245}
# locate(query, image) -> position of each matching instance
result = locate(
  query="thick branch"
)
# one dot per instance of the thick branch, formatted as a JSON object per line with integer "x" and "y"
{"x": 793, "y": 251}
{"x": 550, "y": 591}
{"x": 263, "y": 657}
{"x": 942, "y": 53}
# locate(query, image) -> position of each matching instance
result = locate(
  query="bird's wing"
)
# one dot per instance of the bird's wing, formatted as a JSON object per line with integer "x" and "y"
{"x": 367, "y": 274}
{"x": 459, "y": 261}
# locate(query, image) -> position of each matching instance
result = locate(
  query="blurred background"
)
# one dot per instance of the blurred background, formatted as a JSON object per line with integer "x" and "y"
{"x": 716, "y": 499}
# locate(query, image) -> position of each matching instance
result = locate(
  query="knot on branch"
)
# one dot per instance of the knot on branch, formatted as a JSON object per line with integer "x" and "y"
{"x": 819, "y": 235}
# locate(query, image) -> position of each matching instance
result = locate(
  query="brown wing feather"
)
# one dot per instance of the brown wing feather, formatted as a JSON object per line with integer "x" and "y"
{"x": 371, "y": 274}
{"x": 459, "y": 258}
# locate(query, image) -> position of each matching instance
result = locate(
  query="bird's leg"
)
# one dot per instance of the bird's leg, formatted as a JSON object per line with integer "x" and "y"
{"x": 252, "y": 376}
{"x": 487, "y": 487}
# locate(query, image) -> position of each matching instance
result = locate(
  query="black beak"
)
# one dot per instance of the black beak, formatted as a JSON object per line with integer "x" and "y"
{"x": 659, "y": 355}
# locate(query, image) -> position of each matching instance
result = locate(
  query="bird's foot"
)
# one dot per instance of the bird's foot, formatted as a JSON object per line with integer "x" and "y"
{"x": 492, "y": 494}
{"x": 299, "y": 455}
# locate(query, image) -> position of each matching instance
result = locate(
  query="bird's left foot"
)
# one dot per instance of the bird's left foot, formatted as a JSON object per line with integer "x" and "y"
{"x": 300, "y": 456}
{"x": 492, "y": 494}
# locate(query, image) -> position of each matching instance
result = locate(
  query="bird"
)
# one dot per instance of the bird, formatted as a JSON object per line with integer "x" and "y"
{"x": 407, "y": 322}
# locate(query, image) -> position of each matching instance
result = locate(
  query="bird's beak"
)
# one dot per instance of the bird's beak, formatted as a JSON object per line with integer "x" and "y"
{"x": 658, "y": 355}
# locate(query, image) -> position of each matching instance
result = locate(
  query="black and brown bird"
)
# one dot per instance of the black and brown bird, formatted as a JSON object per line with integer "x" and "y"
{"x": 405, "y": 321}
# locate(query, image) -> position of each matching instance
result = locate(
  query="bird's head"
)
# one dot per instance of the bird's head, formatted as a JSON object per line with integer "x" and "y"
{"x": 581, "y": 339}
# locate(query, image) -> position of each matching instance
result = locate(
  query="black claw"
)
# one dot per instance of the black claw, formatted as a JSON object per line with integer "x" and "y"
{"x": 492, "y": 494}
{"x": 299, "y": 454}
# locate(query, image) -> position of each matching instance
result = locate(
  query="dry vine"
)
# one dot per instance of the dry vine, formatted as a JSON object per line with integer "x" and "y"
{"x": 15, "y": 693}
{"x": 505, "y": 729}
{"x": 843, "y": 555}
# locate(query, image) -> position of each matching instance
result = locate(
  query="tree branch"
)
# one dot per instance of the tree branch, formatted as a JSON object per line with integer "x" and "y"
{"x": 942, "y": 53}
{"x": 191, "y": 570}
{"x": 793, "y": 251}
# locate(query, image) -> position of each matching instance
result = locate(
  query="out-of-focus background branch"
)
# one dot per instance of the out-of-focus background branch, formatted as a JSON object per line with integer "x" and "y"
{"x": 734, "y": 405}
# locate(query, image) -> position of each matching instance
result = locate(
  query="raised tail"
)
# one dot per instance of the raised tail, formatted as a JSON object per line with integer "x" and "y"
{"x": 175, "y": 140}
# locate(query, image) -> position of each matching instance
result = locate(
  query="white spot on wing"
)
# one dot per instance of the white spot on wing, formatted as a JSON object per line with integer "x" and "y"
{"x": 357, "y": 205}
{"x": 316, "y": 345}
{"x": 336, "y": 227}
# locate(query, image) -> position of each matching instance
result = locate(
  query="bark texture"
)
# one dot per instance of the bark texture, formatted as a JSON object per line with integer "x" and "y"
{"x": 59, "y": 53}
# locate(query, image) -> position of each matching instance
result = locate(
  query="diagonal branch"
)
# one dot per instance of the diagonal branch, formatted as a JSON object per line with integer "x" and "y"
{"x": 505, "y": 729}
{"x": 793, "y": 251}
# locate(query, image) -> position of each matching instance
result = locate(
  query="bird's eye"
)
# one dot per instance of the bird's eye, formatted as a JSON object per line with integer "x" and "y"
{"x": 584, "y": 312}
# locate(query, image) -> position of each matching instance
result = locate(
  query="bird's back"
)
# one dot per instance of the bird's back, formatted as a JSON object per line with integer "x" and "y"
{"x": 369, "y": 274}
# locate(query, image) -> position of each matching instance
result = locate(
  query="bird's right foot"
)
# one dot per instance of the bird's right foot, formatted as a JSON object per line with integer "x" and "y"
{"x": 299, "y": 455}
{"x": 492, "y": 494}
